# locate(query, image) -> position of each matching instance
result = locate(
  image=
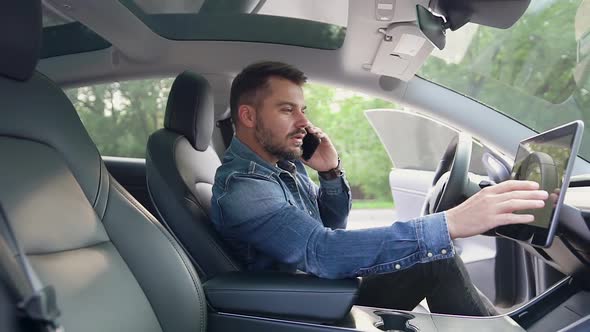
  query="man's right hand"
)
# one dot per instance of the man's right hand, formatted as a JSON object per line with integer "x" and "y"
{"x": 494, "y": 206}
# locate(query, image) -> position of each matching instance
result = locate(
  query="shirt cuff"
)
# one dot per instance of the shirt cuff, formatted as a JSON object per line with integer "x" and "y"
{"x": 433, "y": 236}
{"x": 335, "y": 186}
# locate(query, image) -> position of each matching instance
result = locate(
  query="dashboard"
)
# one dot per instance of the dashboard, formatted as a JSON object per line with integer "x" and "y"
{"x": 570, "y": 252}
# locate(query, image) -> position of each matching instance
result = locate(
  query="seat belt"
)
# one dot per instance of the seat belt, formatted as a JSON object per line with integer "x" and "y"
{"x": 227, "y": 131}
{"x": 35, "y": 302}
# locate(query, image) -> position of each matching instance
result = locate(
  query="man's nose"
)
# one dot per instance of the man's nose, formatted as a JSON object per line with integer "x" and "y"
{"x": 302, "y": 121}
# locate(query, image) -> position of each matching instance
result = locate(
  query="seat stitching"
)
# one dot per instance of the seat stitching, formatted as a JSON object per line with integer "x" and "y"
{"x": 166, "y": 225}
{"x": 69, "y": 249}
{"x": 158, "y": 226}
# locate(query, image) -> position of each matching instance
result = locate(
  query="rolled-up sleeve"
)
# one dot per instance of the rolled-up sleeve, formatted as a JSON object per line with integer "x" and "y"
{"x": 255, "y": 211}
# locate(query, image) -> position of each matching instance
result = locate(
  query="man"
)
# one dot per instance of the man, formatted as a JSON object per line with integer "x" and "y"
{"x": 271, "y": 214}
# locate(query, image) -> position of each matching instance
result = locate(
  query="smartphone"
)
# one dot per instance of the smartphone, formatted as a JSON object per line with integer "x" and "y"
{"x": 310, "y": 144}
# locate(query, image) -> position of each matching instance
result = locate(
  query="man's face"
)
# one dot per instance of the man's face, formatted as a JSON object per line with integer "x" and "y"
{"x": 280, "y": 119}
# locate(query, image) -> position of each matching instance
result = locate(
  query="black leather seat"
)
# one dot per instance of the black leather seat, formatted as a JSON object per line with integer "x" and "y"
{"x": 181, "y": 167}
{"x": 114, "y": 267}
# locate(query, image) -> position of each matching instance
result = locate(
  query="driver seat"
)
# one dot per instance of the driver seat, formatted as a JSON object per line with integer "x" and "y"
{"x": 113, "y": 266}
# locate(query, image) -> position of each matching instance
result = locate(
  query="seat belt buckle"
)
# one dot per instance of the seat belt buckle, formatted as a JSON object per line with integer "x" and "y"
{"x": 41, "y": 307}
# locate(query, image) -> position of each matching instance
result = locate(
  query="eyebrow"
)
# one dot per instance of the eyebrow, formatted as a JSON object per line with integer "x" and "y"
{"x": 281, "y": 103}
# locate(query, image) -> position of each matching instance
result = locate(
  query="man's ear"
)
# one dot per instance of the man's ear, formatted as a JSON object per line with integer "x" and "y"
{"x": 247, "y": 116}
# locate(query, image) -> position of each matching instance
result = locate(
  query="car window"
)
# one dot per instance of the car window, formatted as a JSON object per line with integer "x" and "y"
{"x": 120, "y": 116}
{"x": 536, "y": 72}
{"x": 339, "y": 113}
{"x": 418, "y": 142}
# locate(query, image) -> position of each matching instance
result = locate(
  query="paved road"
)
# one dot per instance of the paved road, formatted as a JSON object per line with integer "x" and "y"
{"x": 366, "y": 218}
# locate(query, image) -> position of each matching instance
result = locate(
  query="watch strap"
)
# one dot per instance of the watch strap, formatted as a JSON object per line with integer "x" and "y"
{"x": 332, "y": 174}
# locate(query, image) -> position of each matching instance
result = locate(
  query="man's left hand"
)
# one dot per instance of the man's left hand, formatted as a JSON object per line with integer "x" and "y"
{"x": 325, "y": 156}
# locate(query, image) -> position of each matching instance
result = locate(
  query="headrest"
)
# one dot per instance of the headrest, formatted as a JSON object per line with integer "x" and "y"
{"x": 189, "y": 111}
{"x": 38, "y": 110}
{"x": 20, "y": 38}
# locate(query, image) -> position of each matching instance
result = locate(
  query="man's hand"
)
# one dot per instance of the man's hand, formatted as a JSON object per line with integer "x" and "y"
{"x": 325, "y": 157}
{"x": 494, "y": 206}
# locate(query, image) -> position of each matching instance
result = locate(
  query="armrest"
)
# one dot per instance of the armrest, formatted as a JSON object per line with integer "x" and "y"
{"x": 285, "y": 295}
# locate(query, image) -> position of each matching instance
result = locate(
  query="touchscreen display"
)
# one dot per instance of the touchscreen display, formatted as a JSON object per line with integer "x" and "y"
{"x": 547, "y": 159}
{"x": 544, "y": 159}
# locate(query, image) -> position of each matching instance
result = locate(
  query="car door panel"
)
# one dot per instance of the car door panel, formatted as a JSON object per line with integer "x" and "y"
{"x": 409, "y": 188}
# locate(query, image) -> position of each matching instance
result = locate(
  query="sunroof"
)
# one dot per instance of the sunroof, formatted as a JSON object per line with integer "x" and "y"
{"x": 326, "y": 11}
{"x": 62, "y": 35}
{"x": 307, "y": 23}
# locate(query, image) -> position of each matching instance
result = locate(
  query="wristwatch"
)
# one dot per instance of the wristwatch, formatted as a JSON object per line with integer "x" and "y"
{"x": 334, "y": 173}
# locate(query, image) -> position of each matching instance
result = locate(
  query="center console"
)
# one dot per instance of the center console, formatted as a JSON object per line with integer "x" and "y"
{"x": 272, "y": 301}
{"x": 367, "y": 319}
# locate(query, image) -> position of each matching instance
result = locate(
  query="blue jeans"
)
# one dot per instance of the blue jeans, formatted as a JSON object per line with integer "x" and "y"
{"x": 444, "y": 283}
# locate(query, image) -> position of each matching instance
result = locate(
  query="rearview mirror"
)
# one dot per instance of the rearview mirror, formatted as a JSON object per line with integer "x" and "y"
{"x": 432, "y": 26}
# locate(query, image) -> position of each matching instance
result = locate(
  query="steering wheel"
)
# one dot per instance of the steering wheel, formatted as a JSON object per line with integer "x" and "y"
{"x": 451, "y": 176}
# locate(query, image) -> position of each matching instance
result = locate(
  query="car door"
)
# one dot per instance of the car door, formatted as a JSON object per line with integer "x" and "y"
{"x": 415, "y": 144}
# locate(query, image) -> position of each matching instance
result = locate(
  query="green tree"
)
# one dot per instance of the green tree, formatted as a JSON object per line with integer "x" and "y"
{"x": 525, "y": 71}
{"x": 121, "y": 116}
{"x": 340, "y": 114}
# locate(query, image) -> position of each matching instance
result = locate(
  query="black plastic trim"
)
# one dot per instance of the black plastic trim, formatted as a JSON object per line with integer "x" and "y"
{"x": 70, "y": 38}
{"x": 537, "y": 308}
{"x": 299, "y": 297}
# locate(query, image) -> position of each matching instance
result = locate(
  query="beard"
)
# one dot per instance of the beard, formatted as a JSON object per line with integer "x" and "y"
{"x": 273, "y": 146}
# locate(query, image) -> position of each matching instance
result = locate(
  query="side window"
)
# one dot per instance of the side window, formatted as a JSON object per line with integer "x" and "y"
{"x": 340, "y": 114}
{"x": 120, "y": 116}
{"x": 417, "y": 142}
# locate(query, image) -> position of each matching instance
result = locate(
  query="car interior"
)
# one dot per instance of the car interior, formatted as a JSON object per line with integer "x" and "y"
{"x": 100, "y": 243}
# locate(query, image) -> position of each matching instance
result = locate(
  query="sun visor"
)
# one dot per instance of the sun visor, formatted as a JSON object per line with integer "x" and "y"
{"x": 402, "y": 51}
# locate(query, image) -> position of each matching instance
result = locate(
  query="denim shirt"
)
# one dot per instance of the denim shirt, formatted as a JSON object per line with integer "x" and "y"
{"x": 277, "y": 219}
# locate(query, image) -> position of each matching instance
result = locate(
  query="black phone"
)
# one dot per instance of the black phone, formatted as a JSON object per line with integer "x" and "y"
{"x": 310, "y": 144}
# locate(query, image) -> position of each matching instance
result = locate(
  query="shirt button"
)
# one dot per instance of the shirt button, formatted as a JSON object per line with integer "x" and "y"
{"x": 444, "y": 251}
{"x": 397, "y": 266}
{"x": 311, "y": 214}
{"x": 429, "y": 254}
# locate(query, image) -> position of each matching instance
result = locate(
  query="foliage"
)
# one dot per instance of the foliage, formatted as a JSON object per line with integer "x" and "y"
{"x": 525, "y": 71}
{"x": 121, "y": 116}
{"x": 340, "y": 115}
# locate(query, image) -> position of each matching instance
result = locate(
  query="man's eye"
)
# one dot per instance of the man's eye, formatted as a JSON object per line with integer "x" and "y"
{"x": 288, "y": 110}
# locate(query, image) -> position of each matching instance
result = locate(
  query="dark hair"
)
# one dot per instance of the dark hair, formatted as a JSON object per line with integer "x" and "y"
{"x": 251, "y": 83}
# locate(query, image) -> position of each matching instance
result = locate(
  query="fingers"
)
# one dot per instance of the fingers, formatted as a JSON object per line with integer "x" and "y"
{"x": 513, "y": 185}
{"x": 523, "y": 194}
{"x": 318, "y": 132}
{"x": 512, "y": 218}
{"x": 521, "y": 200}
{"x": 520, "y": 204}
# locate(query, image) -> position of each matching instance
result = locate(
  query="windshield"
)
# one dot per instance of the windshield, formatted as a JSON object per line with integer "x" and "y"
{"x": 537, "y": 72}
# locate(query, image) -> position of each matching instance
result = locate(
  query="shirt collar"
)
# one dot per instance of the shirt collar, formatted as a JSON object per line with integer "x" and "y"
{"x": 241, "y": 150}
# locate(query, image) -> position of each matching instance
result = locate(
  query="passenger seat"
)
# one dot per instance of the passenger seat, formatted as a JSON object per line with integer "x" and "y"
{"x": 180, "y": 167}
{"x": 113, "y": 266}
